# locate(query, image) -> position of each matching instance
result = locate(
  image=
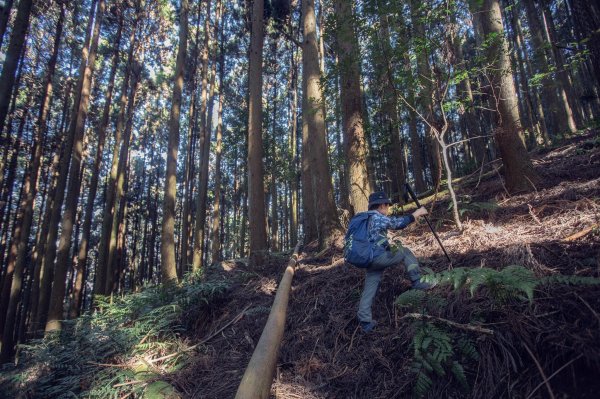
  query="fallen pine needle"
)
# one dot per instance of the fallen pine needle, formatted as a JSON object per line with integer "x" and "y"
{"x": 189, "y": 348}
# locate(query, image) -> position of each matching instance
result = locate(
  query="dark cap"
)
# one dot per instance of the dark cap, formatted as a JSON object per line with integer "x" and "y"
{"x": 379, "y": 197}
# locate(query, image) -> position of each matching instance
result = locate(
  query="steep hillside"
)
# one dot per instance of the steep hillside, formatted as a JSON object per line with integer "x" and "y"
{"x": 517, "y": 313}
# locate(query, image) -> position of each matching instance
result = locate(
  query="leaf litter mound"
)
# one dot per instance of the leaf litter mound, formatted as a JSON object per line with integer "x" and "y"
{"x": 548, "y": 346}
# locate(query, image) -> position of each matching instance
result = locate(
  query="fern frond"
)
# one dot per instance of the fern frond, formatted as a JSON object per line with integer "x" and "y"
{"x": 459, "y": 373}
{"x": 411, "y": 299}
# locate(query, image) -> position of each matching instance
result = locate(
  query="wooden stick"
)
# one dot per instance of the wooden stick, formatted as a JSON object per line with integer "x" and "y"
{"x": 468, "y": 327}
{"x": 580, "y": 234}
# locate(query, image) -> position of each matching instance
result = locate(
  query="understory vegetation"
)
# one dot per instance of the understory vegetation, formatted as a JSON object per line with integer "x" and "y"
{"x": 113, "y": 351}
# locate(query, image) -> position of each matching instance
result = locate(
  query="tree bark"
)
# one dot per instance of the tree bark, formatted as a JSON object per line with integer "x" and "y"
{"x": 55, "y": 311}
{"x": 216, "y": 242}
{"x": 112, "y": 269}
{"x": 398, "y": 172}
{"x": 93, "y": 189}
{"x": 187, "y": 216}
{"x": 103, "y": 265}
{"x": 587, "y": 17}
{"x": 204, "y": 147}
{"x": 555, "y": 112}
{"x": 4, "y": 17}
{"x": 425, "y": 96}
{"x": 168, "y": 263}
{"x": 13, "y": 276}
{"x": 30, "y": 187}
{"x": 13, "y": 54}
{"x": 355, "y": 146}
{"x": 47, "y": 271}
{"x": 256, "y": 188}
{"x": 293, "y": 149}
{"x": 518, "y": 169}
{"x": 313, "y": 122}
{"x": 565, "y": 90}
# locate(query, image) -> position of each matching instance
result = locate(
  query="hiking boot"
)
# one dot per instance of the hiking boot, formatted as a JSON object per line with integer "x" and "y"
{"x": 368, "y": 326}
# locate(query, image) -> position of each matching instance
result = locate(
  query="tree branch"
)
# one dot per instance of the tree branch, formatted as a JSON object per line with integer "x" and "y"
{"x": 467, "y": 327}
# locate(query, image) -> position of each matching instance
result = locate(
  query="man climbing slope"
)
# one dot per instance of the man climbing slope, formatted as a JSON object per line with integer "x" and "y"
{"x": 385, "y": 255}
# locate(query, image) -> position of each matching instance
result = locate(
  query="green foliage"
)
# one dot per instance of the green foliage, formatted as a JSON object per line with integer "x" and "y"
{"x": 511, "y": 282}
{"x": 148, "y": 324}
{"x": 440, "y": 353}
{"x": 570, "y": 280}
{"x": 411, "y": 298}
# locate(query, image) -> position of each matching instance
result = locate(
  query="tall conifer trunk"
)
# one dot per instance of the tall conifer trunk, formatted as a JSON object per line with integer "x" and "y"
{"x": 321, "y": 203}
{"x": 355, "y": 145}
{"x": 55, "y": 311}
{"x": 216, "y": 242}
{"x": 518, "y": 170}
{"x": 168, "y": 263}
{"x": 256, "y": 188}
{"x": 47, "y": 266}
{"x": 30, "y": 187}
{"x": 13, "y": 54}
{"x": 103, "y": 265}
{"x": 93, "y": 189}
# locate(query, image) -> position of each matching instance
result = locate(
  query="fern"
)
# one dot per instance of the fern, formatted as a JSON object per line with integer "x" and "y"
{"x": 146, "y": 324}
{"x": 467, "y": 349}
{"x": 571, "y": 280}
{"x": 439, "y": 353}
{"x": 459, "y": 373}
{"x": 411, "y": 298}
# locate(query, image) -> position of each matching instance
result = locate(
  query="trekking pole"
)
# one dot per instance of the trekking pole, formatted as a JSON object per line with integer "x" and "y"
{"x": 416, "y": 200}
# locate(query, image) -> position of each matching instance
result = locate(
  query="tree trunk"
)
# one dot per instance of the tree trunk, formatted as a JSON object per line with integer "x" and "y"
{"x": 587, "y": 17}
{"x": 168, "y": 263}
{"x": 103, "y": 266}
{"x": 55, "y": 311}
{"x": 518, "y": 169}
{"x": 273, "y": 165}
{"x": 256, "y": 188}
{"x": 187, "y": 221}
{"x": 314, "y": 134}
{"x": 13, "y": 54}
{"x": 39, "y": 280}
{"x": 216, "y": 242}
{"x": 204, "y": 149}
{"x": 112, "y": 270}
{"x": 30, "y": 187}
{"x": 425, "y": 96}
{"x": 47, "y": 267}
{"x": 352, "y": 113}
{"x": 4, "y": 17}
{"x": 554, "y": 112}
{"x": 293, "y": 150}
{"x": 93, "y": 189}
{"x": 397, "y": 169}
{"x": 13, "y": 276}
{"x": 565, "y": 90}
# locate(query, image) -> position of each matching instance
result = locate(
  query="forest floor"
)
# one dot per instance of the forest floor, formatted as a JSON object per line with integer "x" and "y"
{"x": 499, "y": 331}
{"x": 552, "y": 231}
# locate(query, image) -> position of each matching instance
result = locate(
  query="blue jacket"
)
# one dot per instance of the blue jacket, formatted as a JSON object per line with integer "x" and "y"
{"x": 379, "y": 226}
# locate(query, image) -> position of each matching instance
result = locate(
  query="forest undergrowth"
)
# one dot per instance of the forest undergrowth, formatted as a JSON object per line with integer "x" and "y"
{"x": 516, "y": 314}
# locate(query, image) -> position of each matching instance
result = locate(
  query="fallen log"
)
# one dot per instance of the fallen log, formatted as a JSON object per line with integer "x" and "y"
{"x": 258, "y": 377}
